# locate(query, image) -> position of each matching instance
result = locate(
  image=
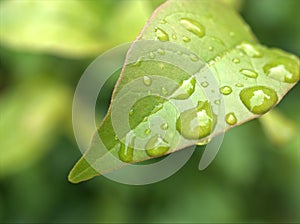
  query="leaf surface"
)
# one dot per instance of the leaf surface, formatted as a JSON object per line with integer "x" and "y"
{"x": 250, "y": 80}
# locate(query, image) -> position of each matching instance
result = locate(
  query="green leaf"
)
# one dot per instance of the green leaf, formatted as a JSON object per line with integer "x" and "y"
{"x": 30, "y": 114}
{"x": 72, "y": 28}
{"x": 252, "y": 79}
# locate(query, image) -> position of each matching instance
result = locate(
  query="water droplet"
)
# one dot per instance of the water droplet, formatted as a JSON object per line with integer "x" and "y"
{"x": 282, "y": 69}
{"x": 204, "y": 142}
{"x": 138, "y": 61}
{"x": 204, "y": 84}
{"x": 163, "y": 21}
{"x": 157, "y": 146}
{"x": 161, "y": 34}
{"x": 258, "y": 99}
{"x": 147, "y": 80}
{"x": 131, "y": 112}
{"x": 230, "y": 118}
{"x": 174, "y": 36}
{"x": 151, "y": 55}
{"x": 217, "y": 102}
{"x": 210, "y": 48}
{"x": 250, "y": 50}
{"x": 164, "y": 91}
{"x": 164, "y": 126}
{"x": 116, "y": 138}
{"x": 146, "y": 119}
{"x": 236, "y": 60}
{"x": 239, "y": 85}
{"x": 225, "y": 90}
{"x": 186, "y": 39}
{"x": 196, "y": 123}
{"x": 186, "y": 89}
{"x": 147, "y": 131}
{"x": 126, "y": 153}
{"x": 157, "y": 108}
{"x": 194, "y": 57}
{"x": 193, "y": 26}
{"x": 161, "y": 66}
{"x": 161, "y": 51}
{"x": 249, "y": 73}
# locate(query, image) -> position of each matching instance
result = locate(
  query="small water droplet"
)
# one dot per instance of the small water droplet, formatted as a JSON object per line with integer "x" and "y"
{"x": 138, "y": 61}
{"x": 131, "y": 112}
{"x": 204, "y": 84}
{"x": 174, "y": 36}
{"x": 230, "y": 118}
{"x": 193, "y": 26}
{"x": 146, "y": 119}
{"x": 161, "y": 51}
{"x": 282, "y": 69}
{"x": 186, "y": 89}
{"x": 236, "y": 60}
{"x": 225, "y": 90}
{"x": 147, "y": 80}
{"x": 258, "y": 99}
{"x": 161, "y": 34}
{"x": 250, "y": 50}
{"x": 116, "y": 138}
{"x": 249, "y": 73}
{"x": 151, "y": 55}
{"x": 217, "y": 102}
{"x": 126, "y": 153}
{"x": 163, "y": 21}
{"x": 210, "y": 48}
{"x": 164, "y": 91}
{"x": 164, "y": 126}
{"x": 157, "y": 146}
{"x": 196, "y": 123}
{"x": 157, "y": 108}
{"x": 239, "y": 85}
{"x": 147, "y": 131}
{"x": 161, "y": 66}
{"x": 186, "y": 39}
{"x": 194, "y": 57}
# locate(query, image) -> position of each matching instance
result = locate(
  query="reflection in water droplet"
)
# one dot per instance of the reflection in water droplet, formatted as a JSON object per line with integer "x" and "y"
{"x": 250, "y": 50}
{"x": 258, "y": 99}
{"x": 236, "y": 60}
{"x": 225, "y": 90}
{"x": 161, "y": 34}
{"x": 231, "y": 118}
{"x": 186, "y": 89}
{"x": 147, "y": 80}
{"x": 161, "y": 51}
{"x": 164, "y": 126}
{"x": 196, "y": 123}
{"x": 157, "y": 146}
{"x": 164, "y": 91}
{"x": 283, "y": 69}
{"x": 204, "y": 84}
{"x": 147, "y": 131}
{"x": 193, "y": 26}
{"x": 125, "y": 153}
{"x": 194, "y": 57}
{"x": 186, "y": 39}
{"x": 151, "y": 55}
{"x": 249, "y": 73}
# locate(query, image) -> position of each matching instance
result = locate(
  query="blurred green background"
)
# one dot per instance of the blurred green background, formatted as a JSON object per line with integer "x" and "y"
{"x": 45, "y": 48}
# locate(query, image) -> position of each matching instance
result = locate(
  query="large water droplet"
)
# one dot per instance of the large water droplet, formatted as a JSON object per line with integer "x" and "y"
{"x": 249, "y": 73}
{"x": 230, "y": 118}
{"x": 161, "y": 34}
{"x": 126, "y": 153}
{"x": 147, "y": 80}
{"x": 186, "y": 89}
{"x": 225, "y": 90}
{"x": 283, "y": 69}
{"x": 157, "y": 146}
{"x": 196, "y": 123}
{"x": 258, "y": 99}
{"x": 250, "y": 50}
{"x": 193, "y": 26}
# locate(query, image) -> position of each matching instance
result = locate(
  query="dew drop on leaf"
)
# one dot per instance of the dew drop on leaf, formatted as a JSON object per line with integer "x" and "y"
{"x": 258, "y": 99}
{"x": 125, "y": 153}
{"x": 250, "y": 50}
{"x": 230, "y": 118}
{"x": 161, "y": 34}
{"x": 196, "y": 123}
{"x": 147, "y": 80}
{"x": 236, "y": 60}
{"x": 249, "y": 73}
{"x": 186, "y": 89}
{"x": 157, "y": 146}
{"x": 161, "y": 51}
{"x": 186, "y": 39}
{"x": 164, "y": 126}
{"x": 193, "y": 26}
{"x": 225, "y": 90}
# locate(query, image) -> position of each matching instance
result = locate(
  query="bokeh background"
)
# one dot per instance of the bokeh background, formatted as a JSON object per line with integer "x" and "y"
{"x": 45, "y": 48}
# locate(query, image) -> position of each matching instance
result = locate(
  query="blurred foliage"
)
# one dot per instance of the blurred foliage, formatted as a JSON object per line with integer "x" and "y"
{"x": 44, "y": 51}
